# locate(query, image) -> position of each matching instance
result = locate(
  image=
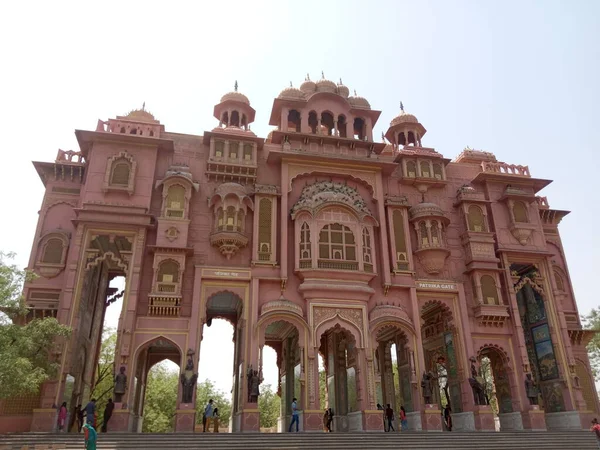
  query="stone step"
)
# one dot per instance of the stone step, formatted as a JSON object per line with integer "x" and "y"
{"x": 343, "y": 441}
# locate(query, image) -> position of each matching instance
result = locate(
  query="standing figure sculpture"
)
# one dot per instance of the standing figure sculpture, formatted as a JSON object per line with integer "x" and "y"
{"x": 426, "y": 385}
{"x": 253, "y": 385}
{"x": 476, "y": 384}
{"x": 188, "y": 380}
{"x": 120, "y": 385}
{"x": 531, "y": 390}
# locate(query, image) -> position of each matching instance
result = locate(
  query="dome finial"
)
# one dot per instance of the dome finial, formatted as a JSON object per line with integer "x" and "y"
{"x": 291, "y": 85}
{"x": 341, "y": 81}
{"x": 355, "y": 93}
{"x": 144, "y": 106}
{"x": 235, "y": 86}
{"x": 307, "y": 77}
{"x": 401, "y": 106}
{"x": 322, "y": 74}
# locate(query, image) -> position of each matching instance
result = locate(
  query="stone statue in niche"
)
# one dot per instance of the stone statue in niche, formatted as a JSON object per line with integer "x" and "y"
{"x": 427, "y": 386}
{"x": 120, "y": 385}
{"x": 254, "y": 380}
{"x": 531, "y": 389}
{"x": 188, "y": 380}
{"x": 477, "y": 385}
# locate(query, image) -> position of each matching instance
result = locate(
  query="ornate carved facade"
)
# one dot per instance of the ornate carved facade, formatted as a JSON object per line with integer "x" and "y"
{"x": 316, "y": 241}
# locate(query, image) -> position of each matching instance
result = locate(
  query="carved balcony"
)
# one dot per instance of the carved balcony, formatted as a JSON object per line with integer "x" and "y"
{"x": 164, "y": 305}
{"x": 228, "y": 242}
{"x": 491, "y": 315}
{"x": 429, "y": 222}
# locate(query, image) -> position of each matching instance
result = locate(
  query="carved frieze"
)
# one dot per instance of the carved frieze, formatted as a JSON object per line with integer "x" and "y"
{"x": 352, "y": 315}
{"x": 295, "y": 170}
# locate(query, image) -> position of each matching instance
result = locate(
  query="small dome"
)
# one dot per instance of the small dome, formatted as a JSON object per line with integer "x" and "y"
{"x": 324, "y": 85}
{"x": 343, "y": 90}
{"x": 225, "y": 189}
{"x": 236, "y": 97}
{"x": 140, "y": 115}
{"x": 403, "y": 117}
{"x": 359, "y": 102}
{"x": 308, "y": 87}
{"x": 291, "y": 93}
{"x": 425, "y": 210}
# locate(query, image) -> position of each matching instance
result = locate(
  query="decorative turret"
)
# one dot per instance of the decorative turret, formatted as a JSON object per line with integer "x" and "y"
{"x": 405, "y": 130}
{"x": 234, "y": 110}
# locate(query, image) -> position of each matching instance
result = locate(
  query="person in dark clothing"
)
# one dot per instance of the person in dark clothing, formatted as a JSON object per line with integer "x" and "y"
{"x": 389, "y": 414}
{"x": 107, "y": 414}
{"x": 329, "y": 419}
{"x": 90, "y": 413}
{"x": 380, "y": 408}
{"x": 79, "y": 417}
{"x": 448, "y": 418}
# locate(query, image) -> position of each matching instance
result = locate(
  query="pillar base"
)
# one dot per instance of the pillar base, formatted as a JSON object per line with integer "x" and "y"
{"x": 43, "y": 420}
{"x": 312, "y": 420}
{"x": 122, "y": 420}
{"x": 483, "y": 417}
{"x": 249, "y": 421}
{"x": 185, "y": 418}
{"x": 565, "y": 420}
{"x": 373, "y": 420}
{"x": 355, "y": 421}
{"x": 431, "y": 418}
{"x": 414, "y": 421}
{"x": 533, "y": 419}
{"x": 464, "y": 421}
{"x": 511, "y": 421}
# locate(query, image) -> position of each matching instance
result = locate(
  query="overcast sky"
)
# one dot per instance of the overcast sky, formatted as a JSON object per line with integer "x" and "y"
{"x": 516, "y": 78}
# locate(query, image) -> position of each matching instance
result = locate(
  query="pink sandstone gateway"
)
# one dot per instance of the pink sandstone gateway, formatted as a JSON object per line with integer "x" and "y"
{"x": 314, "y": 241}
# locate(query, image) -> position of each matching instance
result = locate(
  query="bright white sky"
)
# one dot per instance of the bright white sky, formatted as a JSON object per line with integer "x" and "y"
{"x": 519, "y": 79}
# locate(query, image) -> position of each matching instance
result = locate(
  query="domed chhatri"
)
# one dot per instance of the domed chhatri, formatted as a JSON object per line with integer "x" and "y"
{"x": 359, "y": 102}
{"x": 343, "y": 90}
{"x": 235, "y": 96}
{"x": 291, "y": 93}
{"x": 403, "y": 117}
{"x": 140, "y": 115}
{"x": 234, "y": 111}
{"x": 308, "y": 86}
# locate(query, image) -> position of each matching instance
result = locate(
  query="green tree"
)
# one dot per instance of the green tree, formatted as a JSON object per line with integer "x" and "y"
{"x": 591, "y": 321}
{"x": 29, "y": 347}
{"x": 161, "y": 399}
{"x": 323, "y": 389}
{"x": 206, "y": 390}
{"x": 269, "y": 405}
{"x": 105, "y": 370}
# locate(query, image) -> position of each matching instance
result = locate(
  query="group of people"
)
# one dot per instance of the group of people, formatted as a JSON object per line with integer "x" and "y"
{"x": 85, "y": 419}
{"x": 210, "y": 412}
{"x": 389, "y": 417}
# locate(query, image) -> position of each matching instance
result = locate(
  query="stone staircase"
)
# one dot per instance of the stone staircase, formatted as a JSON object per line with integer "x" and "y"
{"x": 577, "y": 440}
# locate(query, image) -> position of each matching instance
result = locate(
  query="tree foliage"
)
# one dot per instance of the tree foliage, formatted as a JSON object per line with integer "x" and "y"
{"x": 591, "y": 321}
{"x": 269, "y": 405}
{"x": 105, "y": 370}
{"x": 161, "y": 399}
{"x": 29, "y": 349}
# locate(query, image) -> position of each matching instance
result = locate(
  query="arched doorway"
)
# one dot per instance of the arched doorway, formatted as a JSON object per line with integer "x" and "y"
{"x": 395, "y": 368}
{"x": 338, "y": 346}
{"x": 150, "y": 354}
{"x": 493, "y": 364}
{"x": 224, "y": 305}
{"x": 284, "y": 338}
{"x": 439, "y": 348}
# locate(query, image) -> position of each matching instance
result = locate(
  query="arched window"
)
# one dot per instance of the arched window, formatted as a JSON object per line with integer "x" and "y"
{"x": 313, "y": 122}
{"x": 411, "y": 169}
{"x": 327, "y": 122}
{"x": 424, "y": 237}
{"x": 336, "y": 241}
{"x": 234, "y": 148}
{"x": 399, "y": 237}
{"x": 225, "y": 118}
{"x": 520, "y": 212}
{"x": 168, "y": 272}
{"x": 151, "y": 133}
{"x": 436, "y": 235}
{"x": 133, "y": 131}
{"x": 247, "y": 152}
{"x": 438, "y": 173}
{"x": 123, "y": 130}
{"x": 341, "y": 126}
{"x": 244, "y": 122}
{"x": 219, "y": 149}
{"x": 411, "y": 138}
{"x": 240, "y": 222}
{"x": 235, "y": 119}
{"x": 265, "y": 221}
{"x": 401, "y": 138}
{"x": 120, "y": 172}
{"x": 305, "y": 246}
{"x": 367, "y": 252}
{"x": 175, "y": 201}
{"x": 425, "y": 171}
{"x": 220, "y": 219}
{"x": 489, "y": 291}
{"x": 293, "y": 121}
{"x": 359, "y": 129}
{"x": 230, "y": 218}
{"x": 53, "y": 251}
{"x": 476, "y": 219}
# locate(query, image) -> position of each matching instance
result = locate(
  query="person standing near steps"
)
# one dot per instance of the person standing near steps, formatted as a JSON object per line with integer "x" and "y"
{"x": 389, "y": 414}
{"x": 295, "y": 416}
